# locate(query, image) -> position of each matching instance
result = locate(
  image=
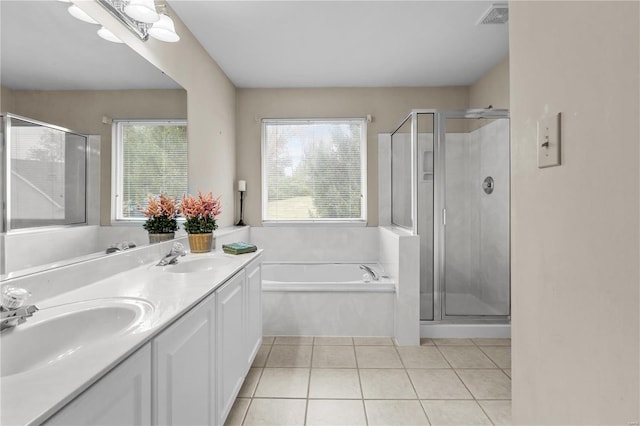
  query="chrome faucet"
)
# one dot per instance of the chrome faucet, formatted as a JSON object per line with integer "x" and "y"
{"x": 172, "y": 258}
{"x": 120, "y": 247}
{"x": 371, "y": 272}
{"x": 12, "y": 311}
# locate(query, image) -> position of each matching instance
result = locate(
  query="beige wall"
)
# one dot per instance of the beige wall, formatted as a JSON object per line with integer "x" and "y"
{"x": 575, "y": 228}
{"x": 388, "y": 106}
{"x": 82, "y": 111}
{"x": 492, "y": 88}
{"x": 210, "y": 104}
{"x": 6, "y": 99}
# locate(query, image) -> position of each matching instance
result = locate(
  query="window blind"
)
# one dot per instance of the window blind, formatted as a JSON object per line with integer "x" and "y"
{"x": 152, "y": 159}
{"x": 314, "y": 170}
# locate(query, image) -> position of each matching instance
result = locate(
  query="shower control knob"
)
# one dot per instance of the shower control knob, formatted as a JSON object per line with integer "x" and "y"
{"x": 488, "y": 185}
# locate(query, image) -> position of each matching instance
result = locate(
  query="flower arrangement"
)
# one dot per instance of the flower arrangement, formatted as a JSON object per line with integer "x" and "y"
{"x": 200, "y": 213}
{"x": 161, "y": 214}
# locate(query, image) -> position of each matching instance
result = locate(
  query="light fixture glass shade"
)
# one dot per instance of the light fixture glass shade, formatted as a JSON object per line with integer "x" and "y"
{"x": 108, "y": 35}
{"x": 164, "y": 30}
{"x": 80, "y": 14}
{"x": 142, "y": 10}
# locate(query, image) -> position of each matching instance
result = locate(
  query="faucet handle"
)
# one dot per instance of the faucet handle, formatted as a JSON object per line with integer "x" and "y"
{"x": 14, "y": 297}
{"x": 178, "y": 248}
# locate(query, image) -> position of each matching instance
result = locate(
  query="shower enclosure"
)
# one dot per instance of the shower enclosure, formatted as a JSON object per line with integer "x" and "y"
{"x": 449, "y": 177}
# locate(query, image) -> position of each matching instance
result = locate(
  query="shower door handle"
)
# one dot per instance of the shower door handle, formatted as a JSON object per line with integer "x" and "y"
{"x": 444, "y": 217}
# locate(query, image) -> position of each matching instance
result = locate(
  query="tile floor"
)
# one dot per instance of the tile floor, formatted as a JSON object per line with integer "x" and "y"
{"x": 369, "y": 381}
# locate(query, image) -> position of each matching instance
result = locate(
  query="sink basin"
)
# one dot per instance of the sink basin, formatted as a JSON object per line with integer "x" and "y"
{"x": 56, "y": 333}
{"x": 197, "y": 265}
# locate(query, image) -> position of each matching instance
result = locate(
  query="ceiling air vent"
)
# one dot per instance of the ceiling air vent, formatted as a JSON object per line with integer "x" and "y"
{"x": 497, "y": 14}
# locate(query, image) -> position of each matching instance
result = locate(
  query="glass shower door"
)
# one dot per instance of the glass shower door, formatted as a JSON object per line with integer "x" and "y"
{"x": 476, "y": 230}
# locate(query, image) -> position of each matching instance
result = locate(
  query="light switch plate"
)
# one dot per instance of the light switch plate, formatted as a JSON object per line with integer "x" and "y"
{"x": 549, "y": 140}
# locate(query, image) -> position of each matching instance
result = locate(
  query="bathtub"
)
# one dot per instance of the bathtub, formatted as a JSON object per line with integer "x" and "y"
{"x": 326, "y": 299}
{"x": 333, "y": 277}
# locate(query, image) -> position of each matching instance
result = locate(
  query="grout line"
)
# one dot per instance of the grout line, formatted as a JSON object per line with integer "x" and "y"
{"x": 244, "y": 416}
{"x": 415, "y": 391}
{"x": 364, "y": 406}
{"x": 306, "y": 405}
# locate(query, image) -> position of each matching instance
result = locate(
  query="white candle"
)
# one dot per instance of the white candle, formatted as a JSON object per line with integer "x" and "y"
{"x": 242, "y": 185}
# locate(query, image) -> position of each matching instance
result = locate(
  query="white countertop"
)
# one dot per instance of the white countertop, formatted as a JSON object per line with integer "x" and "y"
{"x": 33, "y": 396}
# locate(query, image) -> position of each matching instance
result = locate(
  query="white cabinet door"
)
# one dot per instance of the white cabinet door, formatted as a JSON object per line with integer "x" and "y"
{"x": 254, "y": 309}
{"x": 231, "y": 349}
{"x": 122, "y": 397}
{"x": 184, "y": 369}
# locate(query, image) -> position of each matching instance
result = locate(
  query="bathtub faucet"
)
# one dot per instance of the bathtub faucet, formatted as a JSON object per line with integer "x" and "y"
{"x": 371, "y": 272}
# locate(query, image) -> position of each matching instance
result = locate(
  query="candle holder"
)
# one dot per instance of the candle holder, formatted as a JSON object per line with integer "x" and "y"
{"x": 242, "y": 187}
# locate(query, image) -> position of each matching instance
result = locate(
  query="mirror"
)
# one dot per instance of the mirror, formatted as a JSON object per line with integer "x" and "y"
{"x": 56, "y": 69}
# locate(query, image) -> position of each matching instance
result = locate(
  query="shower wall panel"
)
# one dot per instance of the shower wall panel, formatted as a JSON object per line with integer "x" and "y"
{"x": 477, "y": 229}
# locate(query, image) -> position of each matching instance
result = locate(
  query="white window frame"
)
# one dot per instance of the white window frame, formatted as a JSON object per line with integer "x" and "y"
{"x": 363, "y": 173}
{"x": 117, "y": 160}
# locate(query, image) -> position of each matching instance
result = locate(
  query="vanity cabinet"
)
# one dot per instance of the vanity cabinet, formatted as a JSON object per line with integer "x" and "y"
{"x": 184, "y": 369}
{"x": 188, "y": 374}
{"x": 231, "y": 356}
{"x": 122, "y": 397}
{"x": 254, "y": 310}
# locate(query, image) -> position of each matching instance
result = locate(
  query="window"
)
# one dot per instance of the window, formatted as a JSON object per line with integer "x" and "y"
{"x": 149, "y": 157}
{"x": 314, "y": 170}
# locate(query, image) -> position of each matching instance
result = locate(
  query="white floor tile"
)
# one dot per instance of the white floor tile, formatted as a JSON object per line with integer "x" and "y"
{"x": 328, "y": 412}
{"x": 335, "y": 383}
{"x": 377, "y": 357}
{"x": 331, "y": 340}
{"x": 438, "y": 384}
{"x": 422, "y": 357}
{"x": 282, "y": 412}
{"x": 334, "y": 357}
{"x": 466, "y": 357}
{"x": 283, "y": 383}
{"x": 394, "y": 412}
{"x": 499, "y": 411}
{"x": 487, "y": 384}
{"x": 373, "y": 341}
{"x": 455, "y": 413}
{"x": 386, "y": 384}
{"x": 289, "y": 356}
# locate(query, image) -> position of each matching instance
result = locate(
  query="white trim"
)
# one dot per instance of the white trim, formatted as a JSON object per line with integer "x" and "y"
{"x": 450, "y": 331}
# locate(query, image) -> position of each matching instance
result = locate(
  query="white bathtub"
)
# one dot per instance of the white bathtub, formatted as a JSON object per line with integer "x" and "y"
{"x": 326, "y": 299}
{"x": 332, "y": 277}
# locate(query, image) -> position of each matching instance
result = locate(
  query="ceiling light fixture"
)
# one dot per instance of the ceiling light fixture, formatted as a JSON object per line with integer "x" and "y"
{"x": 164, "y": 30}
{"x": 108, "y": 35}
{"x": 142, "y": 10}
{"x": 80, "y": 14}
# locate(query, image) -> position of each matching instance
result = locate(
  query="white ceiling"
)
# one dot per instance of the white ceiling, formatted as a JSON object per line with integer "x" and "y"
{"x": 263, "y": 44}
{"x": 42, "y": 47}
{"x": 346, "y": 43}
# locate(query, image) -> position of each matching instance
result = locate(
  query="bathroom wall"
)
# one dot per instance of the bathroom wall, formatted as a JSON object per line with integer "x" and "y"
{"x": 492, "y": 88}
{"x": 6, "y": 99}
{"x": 317, "y": 244}
{"x": 388, "y": 106}
{"x": 575, "y": 228}
{"x": 82, "y": 111}
{"x": 210, "y": 104}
